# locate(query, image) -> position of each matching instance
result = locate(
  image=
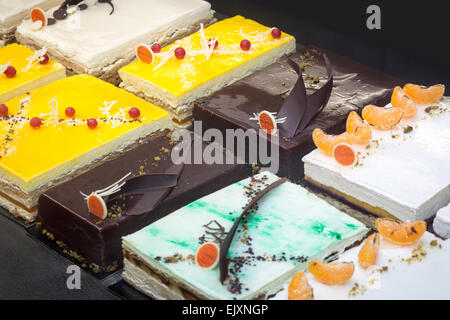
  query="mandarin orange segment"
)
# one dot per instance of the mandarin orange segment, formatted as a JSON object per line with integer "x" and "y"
{"x": 299, "y": 288}
{"x": 326, "y": 142}
{"x": 335, "y": 273}
{"x": 401, "y": 233}
{"x": 422, "y": 95}
{"x": 382, "y": 118}
{"x": 357, "y": 127}
{"x": 368, "y": 253}
{"x": 400, "y": 100}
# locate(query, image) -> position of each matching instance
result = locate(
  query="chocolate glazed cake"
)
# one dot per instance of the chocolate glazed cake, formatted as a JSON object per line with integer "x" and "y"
{"x": 64, "y": 214}
{"x": 354, "y": 86}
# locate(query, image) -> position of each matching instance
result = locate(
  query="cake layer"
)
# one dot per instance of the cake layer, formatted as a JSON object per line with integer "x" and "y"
{"x": 175, "y": 84}
{"x": 13, "y": 12}
{"x": 35, "y": 159}
{"x": 86, "y": 45}
{"x": 286, "y": 228}
{"x": 232, "y": 107}
{"x": 28, "y": 77}
{"x": 64, "y": 213}
{"x": 403, "y": 172}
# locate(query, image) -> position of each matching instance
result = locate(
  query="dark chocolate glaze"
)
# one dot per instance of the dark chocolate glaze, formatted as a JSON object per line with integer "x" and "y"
{"x": 63, "y": 210}
{"x": 355, "y": 86}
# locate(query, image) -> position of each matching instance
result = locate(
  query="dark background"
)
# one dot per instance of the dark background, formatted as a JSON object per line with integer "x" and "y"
{"x": 412, "y": 44}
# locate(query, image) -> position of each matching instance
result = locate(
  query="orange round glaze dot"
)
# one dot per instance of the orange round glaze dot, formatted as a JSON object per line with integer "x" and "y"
{"x": 344, "y": 154}
{"x": 97, "y": 206}
{"x": 267, "y": 122}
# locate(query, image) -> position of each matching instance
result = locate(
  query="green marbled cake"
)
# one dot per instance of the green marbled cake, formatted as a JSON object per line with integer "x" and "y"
{"x": 289, "y": 226}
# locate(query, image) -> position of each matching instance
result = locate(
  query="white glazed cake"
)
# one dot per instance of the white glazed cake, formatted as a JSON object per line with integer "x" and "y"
{"x": 98, "y": 41}
{"x": 12, "y": 12}
{"x": 403, "y": 172}
{"x": 288, "y": 227}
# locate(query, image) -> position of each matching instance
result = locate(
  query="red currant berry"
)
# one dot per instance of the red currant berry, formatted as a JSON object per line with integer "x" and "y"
{"x": 35, "y": 122}
{"x": 216, "y": 43}
{"x": 92, "y": 123}
{"x": 180, "y": 53}
{"x": 3, "y": 110}
{"x": 45, "y": 59}
{"x": 245, "y": 45}
{"x": 276, "y": 33}
{"x": 134, "y": 113}
{"x": 156, "y": 47}
{"x": 10, "y": 72}
{"x": 70, "y": 112}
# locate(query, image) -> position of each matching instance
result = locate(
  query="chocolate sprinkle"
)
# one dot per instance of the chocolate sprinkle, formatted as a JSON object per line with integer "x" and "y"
{"x": 224, "y": 261}
{"x": 83, "y": 6}
{"x": 60, "y": 14}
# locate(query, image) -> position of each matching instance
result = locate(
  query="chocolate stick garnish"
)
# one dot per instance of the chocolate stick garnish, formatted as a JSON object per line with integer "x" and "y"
{"x": 223, "y": 260}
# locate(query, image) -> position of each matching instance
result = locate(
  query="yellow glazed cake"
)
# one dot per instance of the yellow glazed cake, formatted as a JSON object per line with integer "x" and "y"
{"x": 174, "y": 81}
{"x": 30, "y": 73}
{"x": 63, "y": 129}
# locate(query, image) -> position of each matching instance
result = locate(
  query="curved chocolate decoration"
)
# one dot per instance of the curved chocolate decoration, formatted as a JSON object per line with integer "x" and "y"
{"x": 300, "y": 109}
{"x": 223, "y": 260}
{"x": 108, "y": 2}
{"x": 151, "y": 189}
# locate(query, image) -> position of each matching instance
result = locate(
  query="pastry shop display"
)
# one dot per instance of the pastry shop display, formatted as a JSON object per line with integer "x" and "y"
{"x": 198, "y": 65}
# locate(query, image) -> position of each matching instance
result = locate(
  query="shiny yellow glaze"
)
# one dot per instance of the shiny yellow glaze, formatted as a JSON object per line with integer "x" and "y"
{"x": 35, "y": 151}
{"x": 18, "y": 54}
{"x": 179, "y": 76}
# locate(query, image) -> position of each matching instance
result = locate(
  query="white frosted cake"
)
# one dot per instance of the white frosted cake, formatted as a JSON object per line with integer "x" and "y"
{"x": 12, "y": 12}
{"x": 98, "y": 39}
{"x": 287, "y": 227}
{"x": 403, "y": 172}
{"x": 441, "y": 224}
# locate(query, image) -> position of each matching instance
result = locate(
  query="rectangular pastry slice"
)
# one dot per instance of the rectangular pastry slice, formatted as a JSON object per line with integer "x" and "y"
{"x": 65, "y": 216}
{"x": 234, "y": 107}
{"x": 101, "y": 38}
{"x": 403, "y": 172}
{"x": 287, "y": 227}
{"x": 212, "y": 58}
{"x": 12, "y": 12}
{"x": 28, "y": 72}
{"x": 59, "y": 131}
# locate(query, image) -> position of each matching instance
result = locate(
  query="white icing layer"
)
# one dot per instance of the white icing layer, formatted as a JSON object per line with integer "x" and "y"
{"x": 405, "y": 174}
{"x": 93, "y": 38}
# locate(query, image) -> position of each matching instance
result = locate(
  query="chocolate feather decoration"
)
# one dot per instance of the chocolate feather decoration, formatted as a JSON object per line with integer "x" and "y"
{"x": 299, "y": 108}
{"x": 223, "y": 260}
